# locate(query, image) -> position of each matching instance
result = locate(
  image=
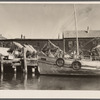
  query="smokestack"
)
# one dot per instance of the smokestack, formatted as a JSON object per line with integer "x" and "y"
{"x": 88, "y": 29}
{"x": 21, "y": 36}
{"x": 58, "y": 36}
{"x": 62, "y": 35}
{"x": 24, "y": 37}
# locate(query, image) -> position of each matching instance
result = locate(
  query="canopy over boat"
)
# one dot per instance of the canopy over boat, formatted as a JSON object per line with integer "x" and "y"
{"x": 18, "y": 45}
{"x": 33, "y": 48}
{"x": 51, "y": 50}
{"x": 30, "y": 48}
{"x": 17, "y": 50}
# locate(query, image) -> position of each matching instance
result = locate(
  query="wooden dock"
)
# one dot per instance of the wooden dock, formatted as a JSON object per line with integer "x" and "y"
{"x": 19, "y": 63}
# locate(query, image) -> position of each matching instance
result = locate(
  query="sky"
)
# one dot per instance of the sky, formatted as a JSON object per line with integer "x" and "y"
{"x": 39, "y": 21}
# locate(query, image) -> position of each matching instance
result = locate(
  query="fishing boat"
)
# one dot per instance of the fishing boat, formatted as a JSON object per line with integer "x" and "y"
{"x": 50, "y": 64}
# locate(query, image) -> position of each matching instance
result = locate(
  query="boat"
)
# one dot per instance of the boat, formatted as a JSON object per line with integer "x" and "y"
{"x": 51, "y": 64}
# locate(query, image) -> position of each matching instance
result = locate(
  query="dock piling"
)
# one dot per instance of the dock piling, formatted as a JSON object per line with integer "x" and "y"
{"x": 33, "y": 70}
{"x": 1, "y": 77}
{"x": 14, "y": 69}
{"x": 25, "y": 63}
{"x": 2, "y": 64}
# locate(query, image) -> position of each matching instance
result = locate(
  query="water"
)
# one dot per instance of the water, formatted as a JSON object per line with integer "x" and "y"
{"x": 31, "y": 82}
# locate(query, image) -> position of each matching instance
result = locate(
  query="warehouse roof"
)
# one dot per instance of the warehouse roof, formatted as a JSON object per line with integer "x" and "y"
{"x": 82, "y": 34}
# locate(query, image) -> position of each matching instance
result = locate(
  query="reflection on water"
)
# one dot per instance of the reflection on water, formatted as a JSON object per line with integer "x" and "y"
{"x": 32, "y": 82}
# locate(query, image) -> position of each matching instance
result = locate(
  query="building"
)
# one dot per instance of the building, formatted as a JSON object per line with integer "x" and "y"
{"x": 36, "y": 43}
{"x": 87, "y": 39}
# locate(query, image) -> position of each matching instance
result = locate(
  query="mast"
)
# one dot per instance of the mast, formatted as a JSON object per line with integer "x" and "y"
{"x": 63, "y": 44}
{"x": 76, "y": 29}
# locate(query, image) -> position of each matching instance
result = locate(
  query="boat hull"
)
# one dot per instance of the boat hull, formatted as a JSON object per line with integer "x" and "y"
{"x": 50, "y": 68}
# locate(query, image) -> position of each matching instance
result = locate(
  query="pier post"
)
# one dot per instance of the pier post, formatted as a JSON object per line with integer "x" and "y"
{"x": 14, "y": 69}
{"x": 25, "y": 81}
{"x": 25, "y": 62}
{"x": 33, "y": 70}
{"x": 1, "y": 64}
{"x": 14, "y": 77}
{"x": 1, "y": 77}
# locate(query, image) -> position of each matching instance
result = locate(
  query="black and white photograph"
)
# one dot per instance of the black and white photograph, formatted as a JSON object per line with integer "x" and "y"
{"x": 50, "y": 46}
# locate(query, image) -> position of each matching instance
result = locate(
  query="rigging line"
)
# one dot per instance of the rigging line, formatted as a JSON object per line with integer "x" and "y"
{"x": 90, "y": 41}
{"x": 66, "y": 23}
{"x": 83, "y": 46}
{"x": 72, "y": 22}
{"x": 59, "y": 26}
{"x": 69, "y": 21}
{"x": 85, "y": 17}
{"x": 69, "y": 18}
{"x": 71, "y": 26}
{"x": 82, "y": 20}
